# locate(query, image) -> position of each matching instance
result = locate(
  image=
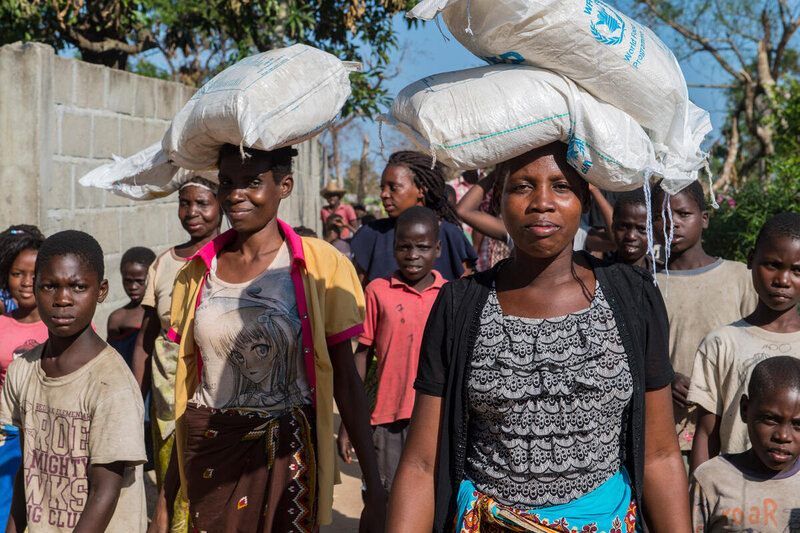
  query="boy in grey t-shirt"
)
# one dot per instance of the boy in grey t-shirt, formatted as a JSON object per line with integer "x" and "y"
{"x": 77, "y": 405}
{"x": 756, "y": 491}
{"x": 727, "y": 355}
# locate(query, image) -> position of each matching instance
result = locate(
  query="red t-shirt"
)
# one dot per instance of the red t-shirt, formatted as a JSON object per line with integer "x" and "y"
{"x": 347, "y": 212}
{"x": 396, "y": 316}
{"x": 17, "y": 338}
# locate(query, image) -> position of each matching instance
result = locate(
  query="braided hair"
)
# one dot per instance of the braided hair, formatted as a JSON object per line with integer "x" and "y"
{"x": 13, "y": 241}
{"x": 429, "y": 178}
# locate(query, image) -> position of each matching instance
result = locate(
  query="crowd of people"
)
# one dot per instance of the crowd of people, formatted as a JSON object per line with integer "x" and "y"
{"x": 499, "y": 353}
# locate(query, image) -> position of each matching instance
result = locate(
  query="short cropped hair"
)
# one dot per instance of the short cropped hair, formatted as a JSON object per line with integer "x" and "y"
{"x": 139, "y": 255}
{"x": 72, "y": 242}
{"x": 13, "y": 241}
{"x": 774, "y": 374}
{"x": 303, "y": 231}
{"x": 280, "y": 160}
{"x": 630, "y": 198}
{"x": 418, "y": 215}
{"x": 782, "y": 225}
{"x": 694, "y": 190}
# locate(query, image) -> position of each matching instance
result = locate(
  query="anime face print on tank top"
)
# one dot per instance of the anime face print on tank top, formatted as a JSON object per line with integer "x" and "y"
{"x": 249, "y": 336}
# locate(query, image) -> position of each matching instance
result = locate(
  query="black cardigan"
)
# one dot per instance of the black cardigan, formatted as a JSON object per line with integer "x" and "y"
{"x": 450, "y": 337}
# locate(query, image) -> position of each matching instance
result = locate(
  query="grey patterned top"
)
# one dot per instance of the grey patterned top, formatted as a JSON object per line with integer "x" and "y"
{"x": 547, "y": 401}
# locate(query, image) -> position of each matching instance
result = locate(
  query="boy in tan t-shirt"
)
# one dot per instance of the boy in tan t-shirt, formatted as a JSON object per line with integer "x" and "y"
{"x": 702, "y": 293}
{"x": 728, "y": 354}
{"x": 756, "y": 491}
{"x": 77, "y": 406}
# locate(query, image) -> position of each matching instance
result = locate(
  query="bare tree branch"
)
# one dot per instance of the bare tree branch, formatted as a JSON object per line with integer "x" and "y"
{"x": 144, "y": 42}
{"x": 689, "y": 34}
{"x": 709, "y": 86}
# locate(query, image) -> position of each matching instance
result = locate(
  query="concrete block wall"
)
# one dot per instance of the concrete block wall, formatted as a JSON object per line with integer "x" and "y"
{"x": 61, "y": 117}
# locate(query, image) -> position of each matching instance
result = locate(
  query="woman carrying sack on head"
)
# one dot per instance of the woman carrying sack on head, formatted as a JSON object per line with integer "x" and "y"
{"x": 543, "y": 399}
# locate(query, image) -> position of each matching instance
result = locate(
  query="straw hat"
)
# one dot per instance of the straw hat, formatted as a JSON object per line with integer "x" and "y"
{"x": 330, "y": 189}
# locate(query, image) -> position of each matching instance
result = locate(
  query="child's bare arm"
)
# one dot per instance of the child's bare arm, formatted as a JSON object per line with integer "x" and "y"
{"x": 113, "y": 324}
{"x": 706, "y": 443}
{"x": 348, "y": 390}
{"x": 342, "y": 440}
{"x": 18, "y": 518}
{"x": 143, "y": 350}
{"x": 105, "y": 483}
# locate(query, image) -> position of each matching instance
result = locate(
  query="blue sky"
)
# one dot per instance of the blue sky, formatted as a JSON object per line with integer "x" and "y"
{"x": 425, "y": 51}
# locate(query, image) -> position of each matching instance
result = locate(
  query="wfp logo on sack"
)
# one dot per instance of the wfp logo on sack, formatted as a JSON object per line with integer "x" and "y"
{"x": 606, "y": 24}
{"x": 576, "y": 156}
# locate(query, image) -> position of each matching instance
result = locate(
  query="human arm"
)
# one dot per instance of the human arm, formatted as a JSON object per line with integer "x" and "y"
{"x": 606, "y": 211}
{"x": 706, "y": 443}
{"x": 468, "y": 209}
{"x": 348, "y": 391}
{"x": 113, "y": 324}
{"x": 665, "y": 498}
{"x": 680, "y": 389}
{"x": 143, "y": 349}
{"x": 342, "y": 440}
{"x": 105, "y": 483}
{"x": 411, "y": 503}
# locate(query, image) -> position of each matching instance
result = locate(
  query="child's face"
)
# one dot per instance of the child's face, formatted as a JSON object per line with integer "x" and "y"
{"x": 248, "y": 193}
{"x": 415, "y": 250}
{"x": 134, "y": 280}
{"x": 198, "y": 211}
{"x": 543, "y": 200}
{"x": 776, "y": 272}
{"x": 630, "y": 232}
{"x": 773, "y": 424}
{"x": 67, "y": 293}
{"x": 688, "y": 220}
{"x": 20, "y": 279}
{"x": 398, "y": 190}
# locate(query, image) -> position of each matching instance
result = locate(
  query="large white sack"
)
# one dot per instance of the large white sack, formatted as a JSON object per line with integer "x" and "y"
{"x": 479, "y": 117}
{"x": 146, "y": 175}
{"x": 608, "y": 54}
{"x": 266, "y": 101}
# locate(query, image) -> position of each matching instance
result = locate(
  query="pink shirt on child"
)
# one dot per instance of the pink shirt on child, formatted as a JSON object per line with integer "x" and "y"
{"x": 17, "y": 338}
{"x": 396, "y": 316}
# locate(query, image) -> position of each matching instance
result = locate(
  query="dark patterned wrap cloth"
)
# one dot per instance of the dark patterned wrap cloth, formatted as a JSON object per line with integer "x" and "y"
{"x": 251, "y": 471}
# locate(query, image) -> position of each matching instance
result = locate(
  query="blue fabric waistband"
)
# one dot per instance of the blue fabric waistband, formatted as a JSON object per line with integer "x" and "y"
{"x": 607, "y": 507}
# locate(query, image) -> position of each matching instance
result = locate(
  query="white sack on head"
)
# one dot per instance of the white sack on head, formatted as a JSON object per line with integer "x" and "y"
{"x": 266, "y": 101}
{"x": 146, "y": 175}
{"x": 479, "y": 117}
{"x": 605, "y": 52}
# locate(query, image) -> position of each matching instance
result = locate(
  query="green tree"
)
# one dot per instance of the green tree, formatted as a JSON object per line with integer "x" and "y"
{"x": 752, "y": 43}
{"x": 733, "y": 228}
{"x": 198, "y": 38}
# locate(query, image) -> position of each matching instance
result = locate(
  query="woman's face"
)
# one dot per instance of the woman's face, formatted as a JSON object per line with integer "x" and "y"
{"x": 398, "y": 190}
{"x": 198, "y": 211}
{"x": 248, "y": 192}
{"x": 20, "y": 279}
{"x": 543, "y": 200}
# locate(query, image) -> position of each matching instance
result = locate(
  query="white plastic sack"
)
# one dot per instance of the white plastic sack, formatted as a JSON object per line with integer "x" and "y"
{"x": 146, "y": 175}
{"x": 479, "y": 117}
{"x": 608, "y": 54}
{"x": 266, "y": 101}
